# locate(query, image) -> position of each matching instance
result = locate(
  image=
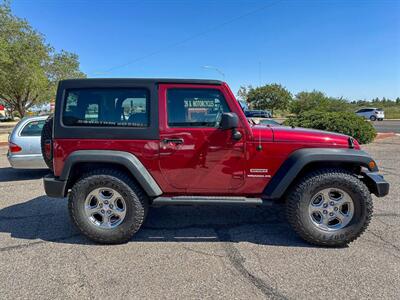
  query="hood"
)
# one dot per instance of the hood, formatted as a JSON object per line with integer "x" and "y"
{"x": 302, "y": 135}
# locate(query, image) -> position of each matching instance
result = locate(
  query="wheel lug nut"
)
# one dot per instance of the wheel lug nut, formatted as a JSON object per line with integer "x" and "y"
{"x": 101, "y": 205}
{"x": 325, "y": 205}
{"x": 105, "y": 202}
{"x": 102, "y": 211}
{"x": 325, "y": 212}
{"x": 108, "y": 211}
{"x": 331, "y": 214}
{"x": 111, "y": 206}
{"x": 336, "y": 209}
{"x": 332, "y": 203}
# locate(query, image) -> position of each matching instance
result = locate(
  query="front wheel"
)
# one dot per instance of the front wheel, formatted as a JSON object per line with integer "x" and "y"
{"x": 107, "y": 206}
{"x": 330, "y": 207}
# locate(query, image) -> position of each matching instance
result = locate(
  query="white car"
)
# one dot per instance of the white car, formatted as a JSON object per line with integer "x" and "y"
{"x": 372, "y": 114}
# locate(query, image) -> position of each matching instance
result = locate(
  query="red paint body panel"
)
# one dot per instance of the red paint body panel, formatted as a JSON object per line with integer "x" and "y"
{"x": 209, "y": 161}
{"x": 305, "y": 136}
{"x": 145, "y": 150}
{"x": 310, "y": 136}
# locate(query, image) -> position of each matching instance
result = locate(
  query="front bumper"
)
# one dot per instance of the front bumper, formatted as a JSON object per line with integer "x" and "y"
{"x": 54, "y": 187}
{"x": 376, "y": 183}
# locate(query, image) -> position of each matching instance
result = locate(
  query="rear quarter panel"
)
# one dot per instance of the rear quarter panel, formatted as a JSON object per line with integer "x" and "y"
{"x": 145, "y": 150}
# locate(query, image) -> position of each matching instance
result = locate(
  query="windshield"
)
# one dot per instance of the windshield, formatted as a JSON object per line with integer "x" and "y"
{"x": 243, "y": 105}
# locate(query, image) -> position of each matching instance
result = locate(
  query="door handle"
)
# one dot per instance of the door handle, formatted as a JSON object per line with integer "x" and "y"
{"x": 177, "y": 141}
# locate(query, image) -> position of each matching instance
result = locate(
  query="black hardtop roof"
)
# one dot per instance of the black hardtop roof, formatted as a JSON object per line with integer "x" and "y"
{"x": 143, "y": 80}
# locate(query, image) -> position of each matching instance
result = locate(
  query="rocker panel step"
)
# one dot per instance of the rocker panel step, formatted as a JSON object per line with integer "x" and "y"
{"x": 201, "y": 200}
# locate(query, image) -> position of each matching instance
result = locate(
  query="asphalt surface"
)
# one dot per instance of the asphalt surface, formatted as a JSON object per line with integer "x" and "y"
{"x": 387, "y": 126}
{"x": 193, "y": 252}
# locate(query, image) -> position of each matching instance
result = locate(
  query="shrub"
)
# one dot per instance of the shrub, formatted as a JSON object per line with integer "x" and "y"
{"x": 341, "y": 122}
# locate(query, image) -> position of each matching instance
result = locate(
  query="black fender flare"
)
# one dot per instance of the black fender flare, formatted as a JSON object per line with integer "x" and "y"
{"x": 298, "y": 159}
{"x": 126, "y": 159}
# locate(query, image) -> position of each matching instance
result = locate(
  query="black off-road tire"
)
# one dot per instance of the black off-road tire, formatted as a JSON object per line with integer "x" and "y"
{"x": 299, "y": 197}
{"x": 46, "y": 137}
{"x": 136, "y": 200}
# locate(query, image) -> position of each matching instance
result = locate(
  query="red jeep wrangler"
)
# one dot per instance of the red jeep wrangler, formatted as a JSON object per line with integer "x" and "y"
{"x": 117, "y": 146}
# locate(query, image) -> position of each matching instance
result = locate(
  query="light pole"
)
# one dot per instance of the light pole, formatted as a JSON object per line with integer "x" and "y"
{"x": 215, "y": 69}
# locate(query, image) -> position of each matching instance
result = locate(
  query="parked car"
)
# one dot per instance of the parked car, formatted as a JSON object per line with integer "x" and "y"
{"x": 24, "y": 151}
{"x": 269, "y": 122}
{"x": 257, "y": 114}
{"x": 372, "y": 114}
{"x": 4, "y": 118}
{"x": 118, "y": 146}
{"x": 263, "y": 121}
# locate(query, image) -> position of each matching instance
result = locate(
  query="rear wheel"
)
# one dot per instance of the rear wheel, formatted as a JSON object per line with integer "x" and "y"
{"x": 46, "y": 142}
{"x": 107, "y": 206}
{"x": 330, "y": 207}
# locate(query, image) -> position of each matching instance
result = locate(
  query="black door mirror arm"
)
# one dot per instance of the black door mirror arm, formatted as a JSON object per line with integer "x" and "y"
{"x": 236, "y": 134}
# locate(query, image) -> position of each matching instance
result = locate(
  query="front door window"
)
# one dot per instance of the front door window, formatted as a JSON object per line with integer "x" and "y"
{"x": 195, "y": 154}
{"x": 195, "y": 107}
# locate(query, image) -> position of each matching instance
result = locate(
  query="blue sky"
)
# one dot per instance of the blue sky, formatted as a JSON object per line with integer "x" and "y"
{"x": 344, "y": 48}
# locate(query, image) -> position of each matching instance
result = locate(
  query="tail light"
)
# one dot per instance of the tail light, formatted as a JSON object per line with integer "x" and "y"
{"x": 14, "y": 147}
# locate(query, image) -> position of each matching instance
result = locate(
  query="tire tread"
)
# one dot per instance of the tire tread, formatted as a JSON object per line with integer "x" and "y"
{"x": 117, "y": 177}
{"x": 293, "y": 202}
{"x": 47, "y": 134}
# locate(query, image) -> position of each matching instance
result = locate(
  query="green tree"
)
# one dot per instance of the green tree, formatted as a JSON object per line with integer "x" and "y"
{"x": 375, "y": 100}
{"x": 305, "y": 101}
{"x": 61, "y": 66}
{"x": 316, "y": 100}
{"x": 29, "y": 67}
{"x": 270, "y": 96}
{"x": 243, "y": 92}
{"x": 338, "y": 104}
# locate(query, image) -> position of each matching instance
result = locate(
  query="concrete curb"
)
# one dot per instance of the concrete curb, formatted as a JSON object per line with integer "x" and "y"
{"x": 384, "y": 135}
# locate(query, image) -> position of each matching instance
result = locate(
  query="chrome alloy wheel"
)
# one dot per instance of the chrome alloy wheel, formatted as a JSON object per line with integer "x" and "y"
{"x": 105, "y": 208}
{"x": 331, "y": 209}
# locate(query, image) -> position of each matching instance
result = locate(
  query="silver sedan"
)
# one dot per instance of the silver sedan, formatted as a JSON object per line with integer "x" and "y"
{"x": 24, "y": 144}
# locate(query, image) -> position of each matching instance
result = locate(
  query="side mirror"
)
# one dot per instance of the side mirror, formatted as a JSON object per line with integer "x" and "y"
{"x": 229, "y": 121}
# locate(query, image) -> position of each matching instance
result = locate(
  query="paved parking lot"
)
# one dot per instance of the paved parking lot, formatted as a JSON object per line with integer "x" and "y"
{"x": 387, "y": 126}
{"x": 193, "y": 252}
